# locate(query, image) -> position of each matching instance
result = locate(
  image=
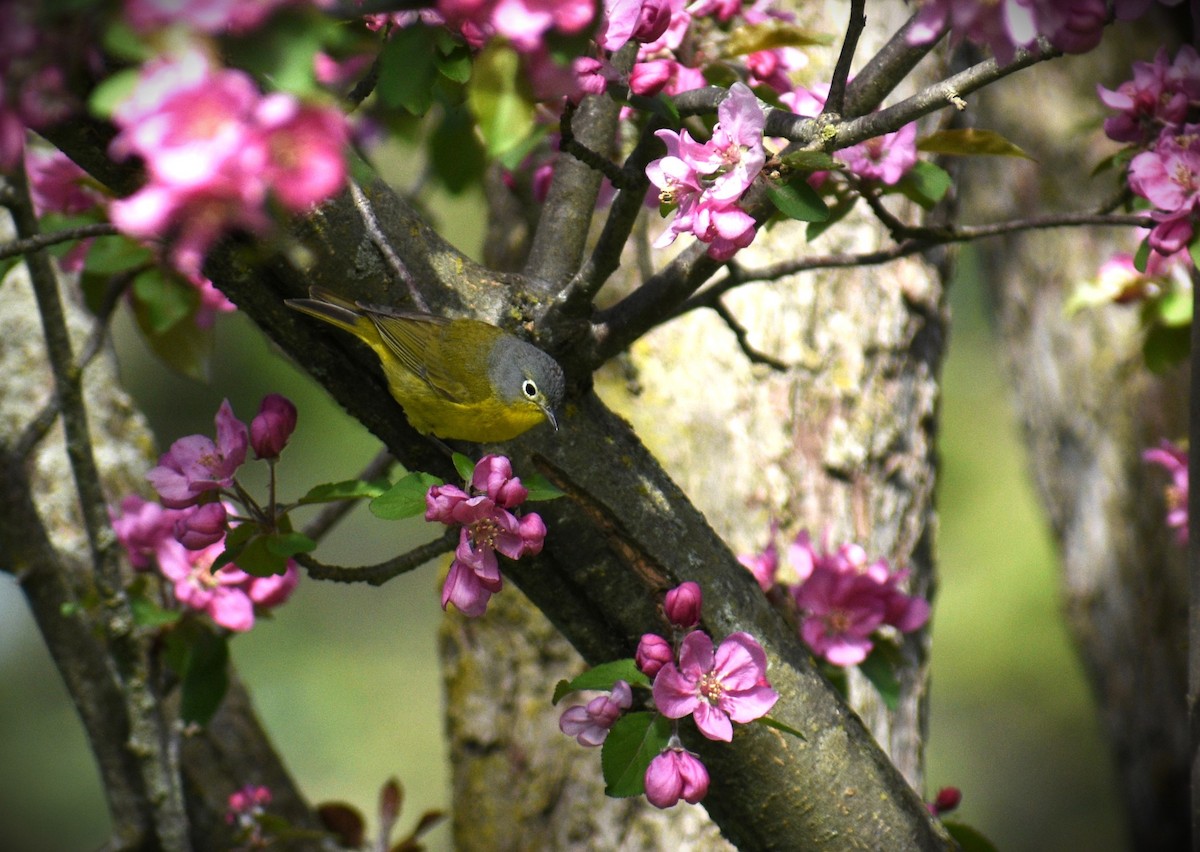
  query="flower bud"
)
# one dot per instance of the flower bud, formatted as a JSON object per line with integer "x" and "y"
{"x": 202, "y": 526}
{"x": 682, "y": 605}
{"x": 653, "y": 652}
{"x": 272, "y": 426}
{"x": 947, "y": 800}
{"x": 675, "y": 774}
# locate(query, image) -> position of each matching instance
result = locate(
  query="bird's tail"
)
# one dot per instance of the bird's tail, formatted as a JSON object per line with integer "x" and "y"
{"x": 334, "y": 309}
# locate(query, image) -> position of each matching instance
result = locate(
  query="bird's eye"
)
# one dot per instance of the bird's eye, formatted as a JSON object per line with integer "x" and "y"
{"x": 529, "y": 389}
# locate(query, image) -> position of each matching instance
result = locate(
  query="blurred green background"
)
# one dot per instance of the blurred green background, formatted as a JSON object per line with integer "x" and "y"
{"x": 346, "y": 678}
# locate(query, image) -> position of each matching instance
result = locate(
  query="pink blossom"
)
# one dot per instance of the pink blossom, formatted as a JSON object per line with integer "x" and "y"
{"x": 639, "y": 20}
{"x": 272, "y": 426}
{"x": 209, "y": 16}
{"x": 198, "y": 527}
{"x": 947, "y": 799}
{"x": 843, "y": 599}
{"x": 590, "y": 723}
{"x": 249, "y": 799}
{"x": 487, "y": 528}
{"x": 220, "y": 594}
{"x": 653, "y": 652}
{"x": 1155, "y": 98}
{"x": 1073, "y": 26}
{"x": 716, "y": 689}
{"x": 682, "y": 605}
{"x": 1168, "y": 176}
{"x": 675, "y": 774}
{"x": 57, "y": 184}
{"x": 772, "y": 67}
{"x": 1174, "y": 460}
{"x": 884, "y": 158}
{"x": 722, "y": 10}
{"x": 762, "y": 565}
{"x": 141, "y": 527}
{"x": 196, "y": 464}
{"x": 305, "y": 164}
{"x": 1002, "y": 26}
{"x": 704, "y": 180}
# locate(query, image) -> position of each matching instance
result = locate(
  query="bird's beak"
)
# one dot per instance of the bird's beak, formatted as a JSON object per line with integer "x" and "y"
{"x": 550, "y": 416}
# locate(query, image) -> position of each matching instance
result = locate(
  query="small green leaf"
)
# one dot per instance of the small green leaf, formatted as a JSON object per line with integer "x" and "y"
{"x": 969, "y": 839}
{"x": 405, "y": 499}
{"x": 408, "y": 68}
{"x": 112, "y": 91}
{"x": 969, "y": 141}
{"x": 350, "y": 489}
{"x": 602, "y": 677}
{"x": 147, "y": 613}
{"x": 259, "y": 555}
{"x": 660, "y": 105}
{"x": 497, "y": 95}
{"x": 925, "y": 183}
{"x": 1193, "y": 250}
{"x": 454, "y": 64}
{"x": 540, "y": 488}
{"x": 287, "y": 544}
{"x": 879, "y": 668}
{"x": 205, "y": 678}
{"x": 780, "y": 726}
{"x": 1142, "y": 256}
{"x": 1166, "y": 346}
{"x": 464, "y": 465}
{"x": 798, "y": 200}
{"x": 635, "y": 740}
{"x": 1175, "y": 308}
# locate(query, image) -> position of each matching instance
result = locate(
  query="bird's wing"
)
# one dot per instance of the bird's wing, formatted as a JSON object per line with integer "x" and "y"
{"x": 411, "y": 338}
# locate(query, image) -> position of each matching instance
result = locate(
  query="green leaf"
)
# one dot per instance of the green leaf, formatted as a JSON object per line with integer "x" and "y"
{"x": 205, "y": 677}
{"x": 879, "y": 668}
{"x": 408, "y": 68}
{"x": 113, "y": 255}
{"x": 770, "y": 35}
{"x": 266, "y": 554}
{"x": 970, "y": 141}
{"x": 405, "y": 499}
{"x": 349, "y": 489}
{"x": 969, "y": 839}
{"x": 780, "y": 726}
{"x": 540, "y": 488}
{"x": 603, "y": 677}
{"x": 454, "y": 64}
{"x": 1166, "y": 346}
{"x": 111, "y": 91}
{"x": 1142, "y": 256}
{"x": 455, "y": 155}
{"x": 503, "y": 108}
{"x": 287, "y": 544}
{"x": 164, "y": 308}
{"x": 798, "y": 200}
{"x": 635, "y": 740}
{"x": 465, "y": 466}
{"x": 662, "y": 106}
{"x": 1174, "y": 308}
{"x": 147, "y": 613}
{"x": 925, "y": 183}
{"x": 1193, "y": 250}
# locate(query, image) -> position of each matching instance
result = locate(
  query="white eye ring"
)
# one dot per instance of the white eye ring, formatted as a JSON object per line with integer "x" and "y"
{"x": 529, "y": 389}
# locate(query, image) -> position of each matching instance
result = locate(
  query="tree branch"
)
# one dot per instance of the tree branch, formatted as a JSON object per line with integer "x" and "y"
{"x": 835, "y": 101}
{"x": 377, "y": 575}
{"x": 884, "y": 71}
{"x": 40, "y": 241}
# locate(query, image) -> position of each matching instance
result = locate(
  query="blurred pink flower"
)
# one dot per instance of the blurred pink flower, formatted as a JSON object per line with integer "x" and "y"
{"x": 590, "y": 723}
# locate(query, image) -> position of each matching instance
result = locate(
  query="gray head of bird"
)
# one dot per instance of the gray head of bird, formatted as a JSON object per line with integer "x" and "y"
{"x": 520, "y": 372}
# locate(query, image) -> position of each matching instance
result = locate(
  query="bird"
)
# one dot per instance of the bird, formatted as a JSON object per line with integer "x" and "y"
{"x": 457, "y": 379}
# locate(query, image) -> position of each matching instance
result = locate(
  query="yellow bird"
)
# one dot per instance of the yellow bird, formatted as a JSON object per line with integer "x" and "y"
{"x": 460, "y": 379}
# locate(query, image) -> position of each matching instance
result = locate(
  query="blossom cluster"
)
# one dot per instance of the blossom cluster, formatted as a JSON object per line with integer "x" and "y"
{"x": 842, "y": 599}
{"x": 217, "y": 152}
{"x": 703, "y": 181}
{"x": 1155, "y": 116}
{"x": 488, "y": 526}
{"x": 184, "y": 533}
{"x": 716, "y": 687}
{"x": 1174, "y": 460}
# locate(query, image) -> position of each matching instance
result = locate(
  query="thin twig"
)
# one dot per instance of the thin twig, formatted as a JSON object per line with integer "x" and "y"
{"x": 884, "y": 71}
{"x": 835, "y": 101}
{"x": 331, "y": 513}
{"x": 755, "y": 356}
{"x": 619, "y": 177}
{"x": 41, "y": 241}
{"x": 380, "y": 240}
{"x": 377, "y": 575}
